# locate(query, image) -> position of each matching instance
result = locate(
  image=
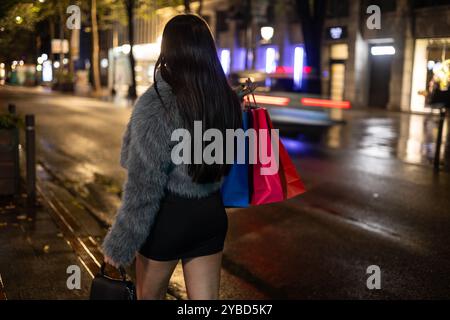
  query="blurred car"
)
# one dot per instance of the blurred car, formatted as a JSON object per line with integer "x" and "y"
{"x": 289, "y": 107}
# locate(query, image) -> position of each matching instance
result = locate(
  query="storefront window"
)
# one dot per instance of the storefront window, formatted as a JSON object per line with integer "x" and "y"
{"x": 428, "y": 55}
{"x": 437, "y": 53}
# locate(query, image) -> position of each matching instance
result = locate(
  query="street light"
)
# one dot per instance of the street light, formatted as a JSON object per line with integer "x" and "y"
{"x": 267, "y": 33}
{"x": 126, "y": 49}
{"x": 104, "y": 63}
{"x": 19, "y": 19}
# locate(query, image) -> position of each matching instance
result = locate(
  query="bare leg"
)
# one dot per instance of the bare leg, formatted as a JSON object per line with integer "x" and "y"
{"x": 152, "y": 277}
{"x": 202, "y": 276}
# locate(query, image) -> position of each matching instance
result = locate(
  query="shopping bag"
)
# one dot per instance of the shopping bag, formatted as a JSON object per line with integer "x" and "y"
{"x": 266, "y": 188}
{"x": 290, "y": 179}
{"x": 235, "y": 189}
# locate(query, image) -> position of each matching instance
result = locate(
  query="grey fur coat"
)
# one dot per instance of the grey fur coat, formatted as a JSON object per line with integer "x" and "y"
{"x": 145, "y": 154}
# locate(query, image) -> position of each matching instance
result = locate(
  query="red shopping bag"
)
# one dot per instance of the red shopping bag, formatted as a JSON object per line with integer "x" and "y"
{"x": 267, "y": 188}
{"x": 290, "y": 179}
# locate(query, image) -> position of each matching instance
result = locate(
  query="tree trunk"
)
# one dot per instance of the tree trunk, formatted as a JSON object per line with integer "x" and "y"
{"x": 52, "y": 36}
{"x": 74, "y": 49}
{"x": 187, "y": 6}
{"x": 312, "y": 22}
{"x": 71, "y": 54}
{"x": 61, "y": 39}
{"x": 132, "y": 94}
{"x": 37, "y": 51}
{"x": 115, "y": 42}
{"x": 95, "y": 66}
{"x": 200, "y": 7}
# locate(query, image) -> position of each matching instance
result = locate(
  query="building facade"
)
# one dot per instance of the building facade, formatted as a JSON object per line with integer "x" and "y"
{"x": 377, "y": 53}
{"x": 387, "y": 66}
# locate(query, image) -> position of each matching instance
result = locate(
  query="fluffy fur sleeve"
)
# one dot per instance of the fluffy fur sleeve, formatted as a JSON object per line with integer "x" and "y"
{"x": 125, "y": 147}
{"x": 146, "y": 155}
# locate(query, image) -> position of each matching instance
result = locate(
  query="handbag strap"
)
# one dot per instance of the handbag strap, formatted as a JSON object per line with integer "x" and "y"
{"x": 121, "y": 269}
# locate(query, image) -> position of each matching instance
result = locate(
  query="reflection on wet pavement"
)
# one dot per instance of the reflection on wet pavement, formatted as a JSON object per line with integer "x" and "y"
{"x": 407, "y": 137}
{"x": 378, "y": 138}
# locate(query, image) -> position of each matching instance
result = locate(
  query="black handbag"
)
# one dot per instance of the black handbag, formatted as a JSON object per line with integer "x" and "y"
{"x": 106, "y": 288}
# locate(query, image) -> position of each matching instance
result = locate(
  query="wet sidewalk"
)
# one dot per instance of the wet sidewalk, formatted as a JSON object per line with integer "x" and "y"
{"x": 408, "y": 137}
{"x": 37, "y": 245}
{"x": 35, "y": 255}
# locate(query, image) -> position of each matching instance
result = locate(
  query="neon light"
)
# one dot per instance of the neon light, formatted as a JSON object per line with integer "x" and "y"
{"x": 277, "y": 101}
{"x": 249, "y": 57}
{"x": 271, "y": 65}
{"x": 284, "y": 69}
{"x": 382, "y": 50}
{"x": 225, "y": 60}
{"x": 312, "y": 102}
{"x": 238, "y": 62}
{"x": 307, "y": 69}
{"x": 270, "y": 60}
{"x": 298, "y": 67}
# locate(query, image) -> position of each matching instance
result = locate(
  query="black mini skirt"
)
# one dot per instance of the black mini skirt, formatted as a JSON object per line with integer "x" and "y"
{"x": 187, "y": 228}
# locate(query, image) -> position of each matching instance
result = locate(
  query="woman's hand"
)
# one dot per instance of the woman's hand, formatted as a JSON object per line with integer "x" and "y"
{"x": 244, "y": 89}
{"x": 111, "y": 262}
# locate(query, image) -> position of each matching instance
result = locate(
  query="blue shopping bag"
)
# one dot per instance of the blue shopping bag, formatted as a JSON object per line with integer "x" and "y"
{"x": 235, "y": 188}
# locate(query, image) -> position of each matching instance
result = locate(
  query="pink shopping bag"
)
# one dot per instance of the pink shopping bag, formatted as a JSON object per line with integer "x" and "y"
{"x": 267, "y": 188}
{"x": 290, "y": 179}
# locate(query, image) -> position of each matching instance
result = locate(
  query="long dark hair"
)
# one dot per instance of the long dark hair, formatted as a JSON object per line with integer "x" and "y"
{"x": 189, "y": 64}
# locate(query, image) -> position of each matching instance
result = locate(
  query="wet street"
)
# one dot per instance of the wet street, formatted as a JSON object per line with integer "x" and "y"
{"x": 372, "y": 199}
